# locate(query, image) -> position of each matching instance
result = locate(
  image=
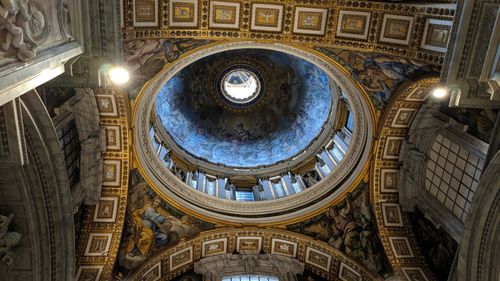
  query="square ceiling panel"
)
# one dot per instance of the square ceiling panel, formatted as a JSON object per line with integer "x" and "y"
{"x": 310, "y": 20}
{"x": 267, "y": 17}
{"x": 353, "y": 24}
{"x": 396, "y": 29}
{"x": 145, "y": 13}
{"x": 436, "y": 35}
{"x": 183, "y": 13}
{"x": 224, "y": 14}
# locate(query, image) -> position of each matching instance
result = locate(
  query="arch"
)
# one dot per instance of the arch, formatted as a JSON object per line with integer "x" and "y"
{"x": 319, "y": 257}
{"x": 477, "y": 261}
{"x": 395, "y": 229}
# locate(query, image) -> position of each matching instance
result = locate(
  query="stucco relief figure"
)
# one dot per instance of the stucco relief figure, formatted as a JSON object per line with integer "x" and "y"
{"x": 8, "y": 239}
{"x": 24, "y": 26}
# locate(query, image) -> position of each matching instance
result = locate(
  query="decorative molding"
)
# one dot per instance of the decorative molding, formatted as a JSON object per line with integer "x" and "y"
{"x": 352, "y": 25}
{"x": 102, "y": 226}
{"x": 214, "y": 247}
{"x": 106, "y": 209}
{"x": 183, "y": 13}
{"x": 283, "y": 247}
{"x": 318, "y": 256}
{"x": 436, "y": 35}
{"x": 318, "y": 259}
{"x": 395, "y": 229}
{"x": 224, "y": 14}
{"x": 145, "y": 13}
{"x": 309, "y": 20}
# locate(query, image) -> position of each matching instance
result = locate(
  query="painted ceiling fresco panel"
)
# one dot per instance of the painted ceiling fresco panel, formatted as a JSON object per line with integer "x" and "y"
{"x": 349, "y": 227}
{"x": 261, "y": 137}
{"x": 379, "y": 74}
{"x": 151, "y": 225}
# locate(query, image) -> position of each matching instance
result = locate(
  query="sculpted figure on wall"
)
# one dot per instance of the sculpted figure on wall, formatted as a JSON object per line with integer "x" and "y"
{"x": 23, "y": 24}
{"x": 8, "y": 239}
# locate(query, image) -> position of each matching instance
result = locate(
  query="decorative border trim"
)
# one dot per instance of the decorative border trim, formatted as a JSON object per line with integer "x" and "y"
{"x": 116, "y": 189}
{"x": 305, "y": 244}
{"x": 327, "y": 38}
{"x": 401, "y": 227}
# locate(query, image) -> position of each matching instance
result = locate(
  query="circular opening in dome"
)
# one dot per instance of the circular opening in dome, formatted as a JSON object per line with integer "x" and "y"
{"x": 240, "y": 86}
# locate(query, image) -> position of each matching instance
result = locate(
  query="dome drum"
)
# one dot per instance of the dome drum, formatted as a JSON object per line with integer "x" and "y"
{"x": 321, "y": 185}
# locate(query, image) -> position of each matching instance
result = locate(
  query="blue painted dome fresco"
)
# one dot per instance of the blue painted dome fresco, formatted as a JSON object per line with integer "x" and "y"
{"x": 245, "y": 108}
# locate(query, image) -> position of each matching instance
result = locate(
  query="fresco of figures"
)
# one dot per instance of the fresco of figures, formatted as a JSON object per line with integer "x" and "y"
{"x": 350, "y": 228}
{"x": 480, "y": 122}
{"x": 281, "y": 126}
{"x": 146, "y": 57}
{"x": 379, "y": 74}
{"x": 151, "y": 224}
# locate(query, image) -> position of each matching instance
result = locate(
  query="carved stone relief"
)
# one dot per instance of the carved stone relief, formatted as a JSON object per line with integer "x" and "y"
{"x": 8, "y": 239}
{"x": 24, "y": 27}
{"x": 213, "y": 268}
{"x": 64, "y": 18}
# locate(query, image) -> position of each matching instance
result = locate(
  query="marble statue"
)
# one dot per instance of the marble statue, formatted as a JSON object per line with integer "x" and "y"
{"x": 8, "y": 239}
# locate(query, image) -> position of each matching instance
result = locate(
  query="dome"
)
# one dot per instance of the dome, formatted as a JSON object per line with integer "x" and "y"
{"x": 257, "y": 110}
{"x": 239, "y": 130}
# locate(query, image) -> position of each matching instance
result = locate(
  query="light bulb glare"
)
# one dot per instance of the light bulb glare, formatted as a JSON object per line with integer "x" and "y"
{"x": 439, "y": 92}
{"x": 119, "y": 75}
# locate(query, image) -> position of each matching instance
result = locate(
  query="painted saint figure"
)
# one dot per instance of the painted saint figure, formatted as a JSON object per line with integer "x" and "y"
{"x": 150, "y": 229}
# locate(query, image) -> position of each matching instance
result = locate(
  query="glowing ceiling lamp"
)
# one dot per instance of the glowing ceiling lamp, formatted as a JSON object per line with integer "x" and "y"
{"x": 439, "y": 92}
{"x": 119, "y": 75}
{"x": 114, "y": 74}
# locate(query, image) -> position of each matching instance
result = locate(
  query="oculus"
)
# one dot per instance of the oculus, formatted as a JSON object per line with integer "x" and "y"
{"x": 240, "y": 85}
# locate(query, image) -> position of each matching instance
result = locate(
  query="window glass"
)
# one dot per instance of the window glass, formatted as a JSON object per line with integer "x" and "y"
{"x": 350, "y": 122}
{"x": 244, "y": 195}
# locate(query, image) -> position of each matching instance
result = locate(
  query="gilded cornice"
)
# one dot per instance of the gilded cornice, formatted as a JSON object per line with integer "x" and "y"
{"x": 403, "y": 33}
